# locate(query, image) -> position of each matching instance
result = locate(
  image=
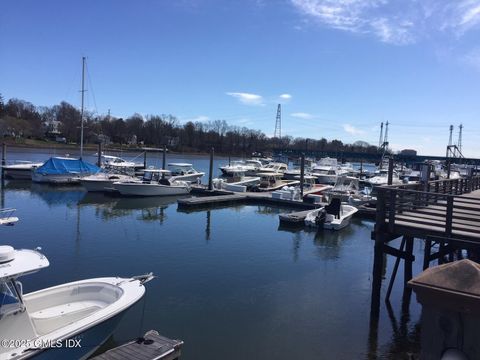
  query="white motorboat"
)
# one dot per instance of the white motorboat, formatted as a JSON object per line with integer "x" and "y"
{"x": 103, "y": 181}
{"x": 154, "y": 183}
{"x": 185, "y": 172}
{"x": 347, "y": 188}
{"x": 237, "y": 182}
{"x": 334, "y": 216}
{"x": 270, "y": 181}
{"x": 21, "y": 170}
{"x": 327, "y": 170}
{"x": 381, "y": 178}
{"x": 63, "y": 170}
{"x": 273, "y": 167}
{"x": 6, "y": 216}
{"x": 115, "y": 161}
{"x": 39, "y": 323}
{"x": 294, "y": 192}
{"x": 236, "y": 166}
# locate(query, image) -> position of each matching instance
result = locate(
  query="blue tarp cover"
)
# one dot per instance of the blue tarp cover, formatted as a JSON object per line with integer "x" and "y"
{"x": 57, "y": 165}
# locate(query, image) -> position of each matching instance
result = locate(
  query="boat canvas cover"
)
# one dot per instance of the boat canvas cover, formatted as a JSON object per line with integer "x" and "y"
{"x": 58, "y": 166}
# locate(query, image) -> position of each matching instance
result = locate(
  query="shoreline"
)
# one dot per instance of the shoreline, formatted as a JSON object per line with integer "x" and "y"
{"x": 93, "y": 147}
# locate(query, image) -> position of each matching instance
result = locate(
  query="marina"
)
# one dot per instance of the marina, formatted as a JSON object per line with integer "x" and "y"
{"x": 208, "y": 278}
{"x": 294, "y": 246}
{"x": 240, "y": 180}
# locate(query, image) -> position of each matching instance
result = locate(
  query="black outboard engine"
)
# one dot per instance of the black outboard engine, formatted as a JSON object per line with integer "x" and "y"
{"x": 320, "y": 219}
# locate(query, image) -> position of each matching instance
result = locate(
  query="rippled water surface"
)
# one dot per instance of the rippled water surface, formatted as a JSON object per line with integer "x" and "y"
{"x": 230, "y": 282}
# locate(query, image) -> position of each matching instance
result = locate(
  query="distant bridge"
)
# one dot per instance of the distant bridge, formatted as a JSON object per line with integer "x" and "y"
{"x": 370, "y": 157}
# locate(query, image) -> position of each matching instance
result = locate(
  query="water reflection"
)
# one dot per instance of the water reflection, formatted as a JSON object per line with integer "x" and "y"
{"x": 309, "y": 288}
{"x": 148, "y": 208}
{"x": 207, "y": 227}
{"x": 404, "y": 342}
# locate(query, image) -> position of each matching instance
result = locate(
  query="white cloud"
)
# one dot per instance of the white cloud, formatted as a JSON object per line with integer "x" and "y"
{"x": 461, "y": 16}
{"x": 247, "y": 98}
{"x": 285, "y": 97}
{"x": 352, "y": 130}
{"x": 302, "y": 115}
{"x": 395, "y": 22}
{"x": 472, "y": 59}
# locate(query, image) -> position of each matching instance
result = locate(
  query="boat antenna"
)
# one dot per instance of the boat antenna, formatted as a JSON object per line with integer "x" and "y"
{"x": 81, "y": 109}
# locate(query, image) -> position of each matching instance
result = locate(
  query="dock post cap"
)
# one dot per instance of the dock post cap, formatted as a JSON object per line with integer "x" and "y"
{"x": 454, "y": 286}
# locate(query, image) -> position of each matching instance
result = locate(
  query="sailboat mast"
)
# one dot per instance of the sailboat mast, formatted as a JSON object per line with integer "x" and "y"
{"x": 81, "y": 110}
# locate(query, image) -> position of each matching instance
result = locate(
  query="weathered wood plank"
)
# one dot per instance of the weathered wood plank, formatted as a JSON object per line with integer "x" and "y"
{"x": 151, "y": 347}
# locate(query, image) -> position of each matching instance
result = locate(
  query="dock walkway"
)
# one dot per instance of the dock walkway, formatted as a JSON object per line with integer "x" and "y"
{"x": 445, "y": 214}
{"x": 151, "y": 347}
{"x": 212, "y": 198}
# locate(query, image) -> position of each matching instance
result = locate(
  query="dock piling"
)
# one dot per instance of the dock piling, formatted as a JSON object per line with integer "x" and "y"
{"x": 4, "y": 154}
{"x": 408, "y": 260}
{"x": 302, "y": 173}
{"x": 390, "y": 170}
{"x": 210, "y": 170}
{"x": 164, "y": 156}
{"x": 4, "y": 159}
{"x": 145, "y": 159}
{"x": 99, "y": 155}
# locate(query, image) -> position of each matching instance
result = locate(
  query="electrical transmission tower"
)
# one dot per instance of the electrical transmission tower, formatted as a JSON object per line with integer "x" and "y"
{"x": 278, "y": 123}
{"x": 459, "y": 144}
{"x": 454, "y": 152}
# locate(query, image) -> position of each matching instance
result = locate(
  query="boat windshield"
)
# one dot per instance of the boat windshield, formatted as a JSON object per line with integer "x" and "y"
{"x": 182, "y": 170}
{"x": 150, "y": 176}
{"x": 9, "y": 298}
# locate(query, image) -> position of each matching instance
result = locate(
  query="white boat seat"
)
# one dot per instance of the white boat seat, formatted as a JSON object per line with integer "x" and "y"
{"x": 50, "y": 319}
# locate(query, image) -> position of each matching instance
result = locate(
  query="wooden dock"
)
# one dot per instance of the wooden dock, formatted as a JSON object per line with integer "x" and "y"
{"x": 151, "y": 347}
{"x": 254, "y": 198}
{"x": 445, "y": 214}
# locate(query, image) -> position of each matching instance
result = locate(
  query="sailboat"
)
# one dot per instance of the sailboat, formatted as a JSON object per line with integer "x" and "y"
{"x": 64, "y": 170}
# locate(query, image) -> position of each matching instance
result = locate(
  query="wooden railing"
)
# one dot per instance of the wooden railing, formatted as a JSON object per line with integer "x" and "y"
{"x": 435, "y": 207}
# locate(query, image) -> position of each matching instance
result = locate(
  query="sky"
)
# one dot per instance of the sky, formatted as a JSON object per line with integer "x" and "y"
{"x": 338, "y": 67}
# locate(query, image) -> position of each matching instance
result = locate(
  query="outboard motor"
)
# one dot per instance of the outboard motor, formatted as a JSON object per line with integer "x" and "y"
{"x": 321, "y": 217}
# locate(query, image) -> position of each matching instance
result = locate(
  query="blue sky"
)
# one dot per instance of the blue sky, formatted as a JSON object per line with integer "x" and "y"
{"x": 339, "y": 67}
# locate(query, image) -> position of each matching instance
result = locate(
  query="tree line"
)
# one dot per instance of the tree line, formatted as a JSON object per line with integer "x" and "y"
{"x": 22, "y": 119}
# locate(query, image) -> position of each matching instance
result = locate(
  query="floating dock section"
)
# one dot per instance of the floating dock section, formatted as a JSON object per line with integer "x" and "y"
{"x": 151, "y": 346}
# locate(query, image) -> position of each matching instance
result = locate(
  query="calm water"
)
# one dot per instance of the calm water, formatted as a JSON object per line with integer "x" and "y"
{"x": 231, "y": 283}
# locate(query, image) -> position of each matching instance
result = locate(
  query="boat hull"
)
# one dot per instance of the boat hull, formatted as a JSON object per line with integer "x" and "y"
{"x": 96, "y": 185}
{"x": 140, "y": 189}
{"x": 20, "y": 171}
{"x": 17, "y": 174}
{"x": 325, "y": 179}
{"x": 62, "y": 179}
{"x": 89, "y": 341}
{"x": 192, "y": 178}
